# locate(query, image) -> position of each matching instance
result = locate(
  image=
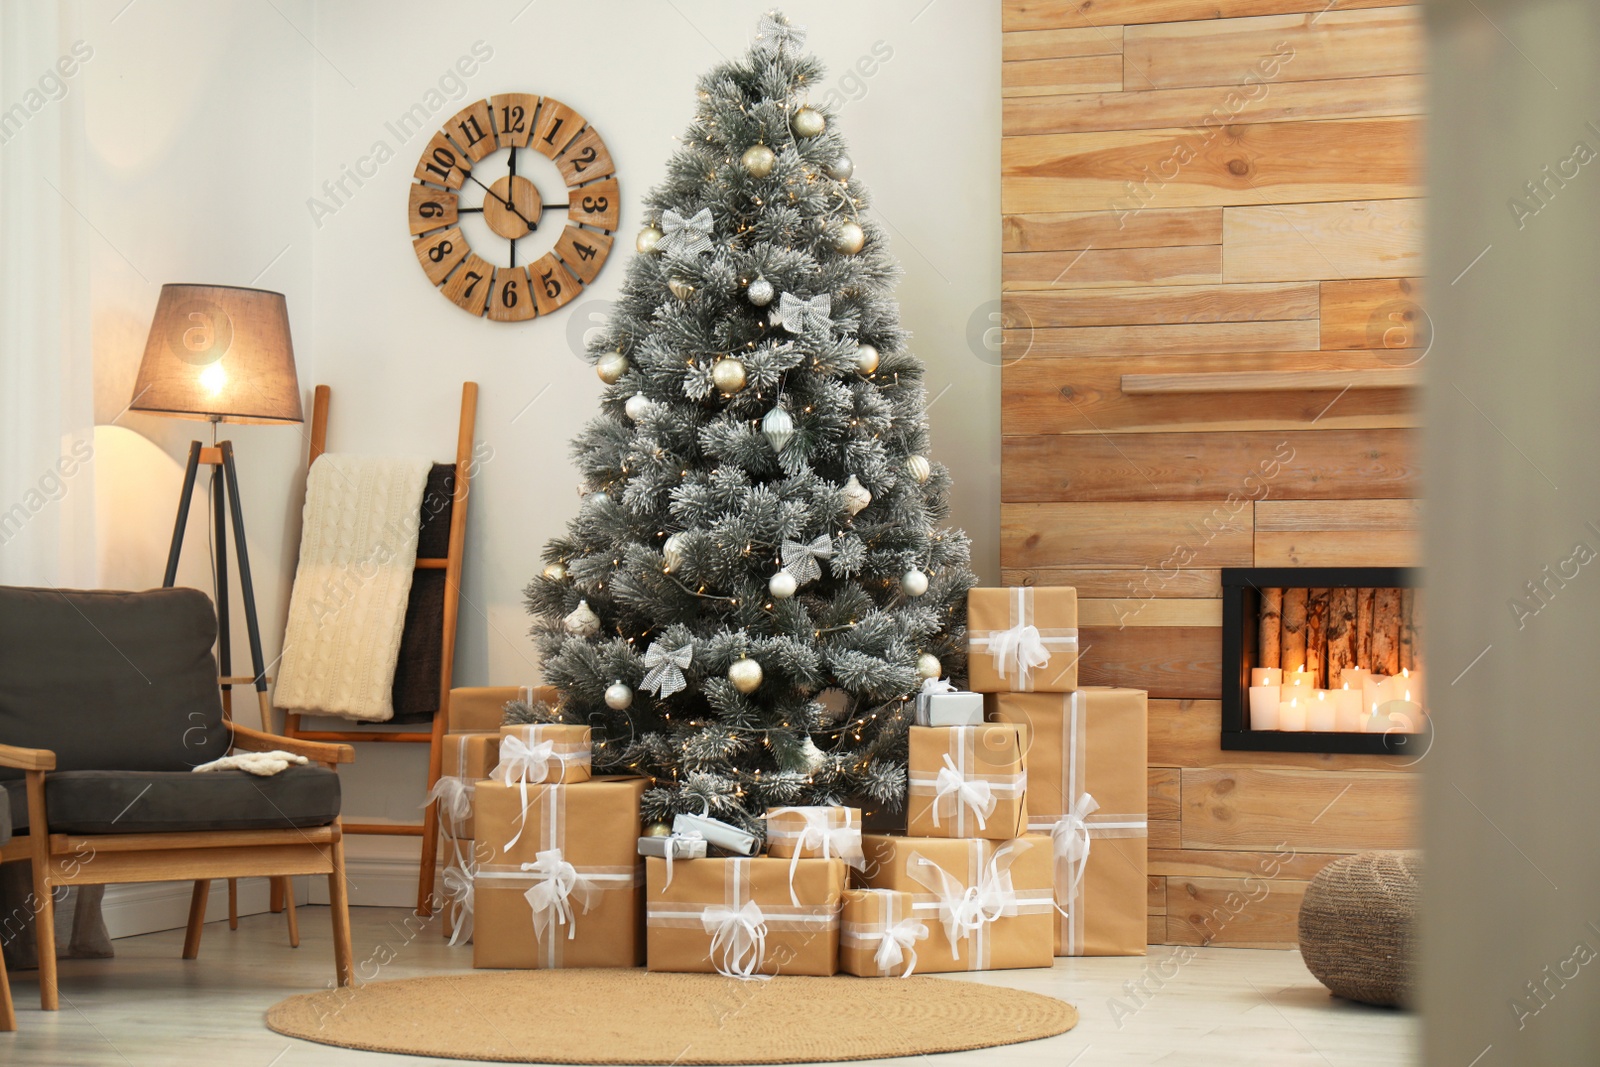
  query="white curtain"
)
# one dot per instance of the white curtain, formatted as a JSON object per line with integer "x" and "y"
{"x": 47, "y": 535}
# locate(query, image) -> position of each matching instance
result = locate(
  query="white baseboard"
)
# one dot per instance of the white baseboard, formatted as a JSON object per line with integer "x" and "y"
{"x": 148, "y": 907}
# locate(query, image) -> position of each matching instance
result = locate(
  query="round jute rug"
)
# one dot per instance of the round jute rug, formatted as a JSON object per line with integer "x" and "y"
{"x": 636, "y": 1017}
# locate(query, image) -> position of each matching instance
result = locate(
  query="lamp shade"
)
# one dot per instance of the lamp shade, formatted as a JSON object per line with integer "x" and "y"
{"x": 219, "y": 352}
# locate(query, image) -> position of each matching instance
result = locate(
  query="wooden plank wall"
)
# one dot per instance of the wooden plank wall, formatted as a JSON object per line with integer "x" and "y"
{"x": 1195, "y": 187}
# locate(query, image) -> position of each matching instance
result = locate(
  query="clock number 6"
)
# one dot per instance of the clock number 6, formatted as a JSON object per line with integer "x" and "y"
{"x": 430, "y": 209}
{"x": 508, "y": 295}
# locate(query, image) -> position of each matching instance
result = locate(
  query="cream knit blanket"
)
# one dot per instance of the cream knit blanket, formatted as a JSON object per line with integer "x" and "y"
{"x": 358, "y": 548}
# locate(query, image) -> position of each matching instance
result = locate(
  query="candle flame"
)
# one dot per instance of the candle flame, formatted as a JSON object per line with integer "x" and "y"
{"x": 1408, "y": 694}
{"x": 1347, "y": 685}
{"x": 1321, "y": 695}
{"x": 1405, "y": 672}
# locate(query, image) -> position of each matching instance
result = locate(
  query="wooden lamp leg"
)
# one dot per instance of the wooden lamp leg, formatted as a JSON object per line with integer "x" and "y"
{"x": 197, "y": 919}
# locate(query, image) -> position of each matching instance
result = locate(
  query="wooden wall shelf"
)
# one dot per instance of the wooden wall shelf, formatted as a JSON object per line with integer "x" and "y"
{"x": 1271, "y": 381}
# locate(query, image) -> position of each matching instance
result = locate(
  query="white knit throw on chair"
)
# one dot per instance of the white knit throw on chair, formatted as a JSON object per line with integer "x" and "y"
{"x": 358, "y": 548}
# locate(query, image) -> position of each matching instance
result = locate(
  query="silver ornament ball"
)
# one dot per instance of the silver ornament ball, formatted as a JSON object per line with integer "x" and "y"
{"x": 866, "y": 359}
{"x": 840, "y": 169}
{"x": 782, "y": 585}
{"x": 556, "y": 572}
{"x": 745, "y": 674}
{"x": 915, "y": 582}
{"x": 600, "y": 499}
{"x": 647, "y": 240}
{"x": 928, "y": 666}
{"x": 758, "y": 160}
{"x": 919, "y": 468}
{"x": 680, "y": 287}
{"x": 850, "y": 238}
{"x": 778, "y": 427}
{"x": 728, "y": 374}
{"x": 636, "y": 407}
{"x": 672, "y": 553}
{"x": 611, "y": 367}
{"x": 760, "y": 292}
{"x": 808, "y": 122}
{"x": 618, "y": 696}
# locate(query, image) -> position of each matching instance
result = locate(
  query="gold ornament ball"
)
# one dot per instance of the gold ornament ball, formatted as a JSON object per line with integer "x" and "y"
{"x": 745, "y": 674}
{"x": 658, "y": 829}
{"x": 611, "y": 367}
{"x": 758, "y": 160}
{"x": 680, "y": 287}
{"x": 919, "y": 468}
{"x": 556, "y": 572}
{"x": 928, "y": 666}
{"x": 648, "y": 238}
{"x": 866, "y": 359}
{"x": 728, "y": 374}
{"x": 808, "y": 122}
{"x": 849, "y": 239}
{"x": 915, "y": 582}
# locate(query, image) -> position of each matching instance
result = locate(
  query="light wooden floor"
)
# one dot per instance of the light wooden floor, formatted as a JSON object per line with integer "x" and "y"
{"x": 1230, "y": 1007}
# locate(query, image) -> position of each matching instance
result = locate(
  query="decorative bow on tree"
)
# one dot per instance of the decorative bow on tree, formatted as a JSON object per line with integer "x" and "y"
{"x": 774, "y": 33}
{"x": 797, "y": 314}
{"x": 665, "y": 675}
{"x": 687, "y": 235}
{"x": 800, "y": 560}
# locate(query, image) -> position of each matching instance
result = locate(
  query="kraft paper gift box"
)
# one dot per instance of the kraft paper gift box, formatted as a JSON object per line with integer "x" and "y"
{"x": 878, "y": 934}
{"x": 465, "y": 760}
{"x": 1088, "y": 789}
{"x": 564, "y": 887}
{"x": 739, "y": 916}
{"x": 987, "y": 904}
{"x": 1022, "y": 639}
{"x": 477, "y": 708}
{"x": 815, "y": 833}
{"x": 544, "y": 753}
{"x": 967, "y": 781}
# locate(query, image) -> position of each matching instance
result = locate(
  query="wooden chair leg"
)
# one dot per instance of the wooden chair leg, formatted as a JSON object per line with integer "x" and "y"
{"x": 8, "y": 1013}
{"x": 294, "y": 921}
{"x": 44, "y": 919}
{"x": 233, "y": 903}
{"x": 275, "y": 896}
{"x": 197, "y": 919}
{"x": 339, "y": 905}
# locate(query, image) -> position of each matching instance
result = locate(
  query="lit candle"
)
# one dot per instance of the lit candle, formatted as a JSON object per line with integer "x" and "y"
{"x": 1403, "y": 715}
{"x": 1299, "y": 678}
{"x": 1264, "y": 707}
{"x": 1272, "y": 676}
{"x": 1375, "y": 723}
{"x": 1355, "y": 677}
{"x": 1291, "y": 714}
{"x": 1320, "y": 712}
{"x": 1347, "y": 709}
{"x": 1411, "y": 687}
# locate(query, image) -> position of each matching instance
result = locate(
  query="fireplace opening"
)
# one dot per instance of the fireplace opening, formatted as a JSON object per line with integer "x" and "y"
{"x": 1323, "y": 659}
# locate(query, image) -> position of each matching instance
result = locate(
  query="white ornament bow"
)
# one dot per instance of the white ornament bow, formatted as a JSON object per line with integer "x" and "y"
{"x": 898, "y": 943}
{"x": 687, "y": 235}
{"x": 950, "y": 789}
{"x": 843, "y": 842}
{"x": 774, "y": 33}
{"x": 1071, "y": 837}
{"x": 963, "y": 910}
{"x": 1018, "y": 649}
{"x": 738, "y": 937}
{"x": 551, "y": 896}
{"x": 665, "y": 676}
{"x": 797, "y": 314}
{"x": 526, "y": 765}
{"x": 458, "y": 887}
{"x": 454, "y": 795}
{"x": 801, "y": 560}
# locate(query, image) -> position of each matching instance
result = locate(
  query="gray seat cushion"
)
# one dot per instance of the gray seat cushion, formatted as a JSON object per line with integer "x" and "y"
{"x": 110, "y": 680}
{"x": 137, "y": 802}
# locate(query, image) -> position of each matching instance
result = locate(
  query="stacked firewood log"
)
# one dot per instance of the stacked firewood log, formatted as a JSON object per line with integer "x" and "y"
{"x": 1325, "y": 631}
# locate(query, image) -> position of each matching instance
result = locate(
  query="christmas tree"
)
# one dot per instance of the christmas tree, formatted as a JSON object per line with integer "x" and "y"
{"x": 756, "y": 584}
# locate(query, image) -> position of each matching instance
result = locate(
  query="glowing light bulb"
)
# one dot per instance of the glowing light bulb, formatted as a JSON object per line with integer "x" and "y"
{"x": 214, "y": 378}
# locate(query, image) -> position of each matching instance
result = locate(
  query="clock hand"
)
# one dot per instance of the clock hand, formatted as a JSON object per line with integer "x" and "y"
{"x": 506, "y": 201}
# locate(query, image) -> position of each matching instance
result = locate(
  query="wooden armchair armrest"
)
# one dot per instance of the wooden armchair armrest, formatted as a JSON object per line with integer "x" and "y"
{"x": 27, "y": 759}
{"x": 316, "y": 751}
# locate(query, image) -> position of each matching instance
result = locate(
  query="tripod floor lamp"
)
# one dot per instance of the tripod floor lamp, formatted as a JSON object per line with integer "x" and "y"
{"x": 221, "y": 354}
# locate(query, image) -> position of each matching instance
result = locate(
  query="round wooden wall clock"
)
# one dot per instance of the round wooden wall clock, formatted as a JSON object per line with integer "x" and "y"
{"x": 508, "y": 288}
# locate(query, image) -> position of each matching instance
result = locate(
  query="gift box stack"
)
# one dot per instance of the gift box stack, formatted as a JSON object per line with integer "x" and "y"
{"x": 1087, "y": 780}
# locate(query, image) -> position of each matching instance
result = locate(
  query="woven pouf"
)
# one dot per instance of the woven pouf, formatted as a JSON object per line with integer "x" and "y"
{"x": 1357, "y": 923}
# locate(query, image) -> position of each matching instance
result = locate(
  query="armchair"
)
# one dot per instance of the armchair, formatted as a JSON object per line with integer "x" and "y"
{"x": 107, "y": 700}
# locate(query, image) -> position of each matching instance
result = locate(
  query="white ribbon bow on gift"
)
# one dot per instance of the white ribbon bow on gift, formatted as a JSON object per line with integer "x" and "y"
{"x": 1071, "y": 837}
{"x": 691, "y": 835}
{"x": 898, "y": 943}
{"x": 665, "y": 675}
{"x": 800, "y": 560}
{"x": 843, "y": 842}
{"x": 525, "y": 764}
{"x": 951, "y": 789}
{"x": 458, "y": 887}
{"x": 1018, "y": 649}
{"x": 454, "y": 795}
{"x": 551, "y": 897}
{"x": 776, "y": 34}
{"x": 797, "y": 314}
{"x": 963, "y": 910}
{"x": 690, "y": 235}
{"x": 739, "y": 936}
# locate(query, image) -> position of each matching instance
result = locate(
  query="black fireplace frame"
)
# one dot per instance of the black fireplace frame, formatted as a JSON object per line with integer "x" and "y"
{"x": 1241, "y": 639}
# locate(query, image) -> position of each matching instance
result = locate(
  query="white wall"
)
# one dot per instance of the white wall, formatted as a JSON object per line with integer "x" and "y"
{"x": 924, "y": 132}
